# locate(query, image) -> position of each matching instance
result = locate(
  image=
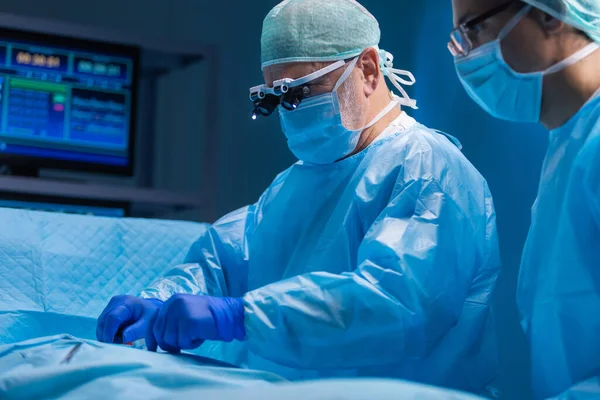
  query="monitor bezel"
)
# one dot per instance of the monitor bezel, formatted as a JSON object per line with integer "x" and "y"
{"x": 67, "y": 201}
{"x": 90, "y": 45}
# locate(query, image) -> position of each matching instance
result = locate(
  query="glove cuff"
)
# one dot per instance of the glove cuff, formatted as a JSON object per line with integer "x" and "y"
{"x": 230, "y": 324}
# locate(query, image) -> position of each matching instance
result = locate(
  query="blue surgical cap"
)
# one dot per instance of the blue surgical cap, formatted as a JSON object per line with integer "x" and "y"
{"x": 582, "y": 14}
{"x": 317, "y": 30}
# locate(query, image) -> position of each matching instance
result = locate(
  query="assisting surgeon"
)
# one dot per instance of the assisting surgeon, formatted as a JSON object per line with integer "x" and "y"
{"x": 375, "y": 255}
{"x": 539, "y": 61}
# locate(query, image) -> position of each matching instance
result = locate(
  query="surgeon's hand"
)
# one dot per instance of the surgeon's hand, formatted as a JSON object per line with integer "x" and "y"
{"x": 185, "y": 321}
{"x": 126, "y": 319}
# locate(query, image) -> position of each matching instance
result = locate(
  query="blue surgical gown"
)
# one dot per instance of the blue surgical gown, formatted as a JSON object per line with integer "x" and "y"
{"x": 559, "y": 281}
{"x": 380, "y": 265}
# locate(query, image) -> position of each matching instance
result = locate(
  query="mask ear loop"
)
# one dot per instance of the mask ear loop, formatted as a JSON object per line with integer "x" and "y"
{"x": 346, "y": 74}
{"x": 514, "y": 22}
{"x": 397, "y": 78}
{"x": 574, "y": 58}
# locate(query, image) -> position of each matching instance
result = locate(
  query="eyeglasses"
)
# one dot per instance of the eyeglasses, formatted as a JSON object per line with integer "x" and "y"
{"x": 461, "y": 38}
{"x": 287, "y": 93}
{"x": 289, "y": 100}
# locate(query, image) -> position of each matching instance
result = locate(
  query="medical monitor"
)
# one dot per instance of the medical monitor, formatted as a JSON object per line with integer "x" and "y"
{"x": 66, "y": 103}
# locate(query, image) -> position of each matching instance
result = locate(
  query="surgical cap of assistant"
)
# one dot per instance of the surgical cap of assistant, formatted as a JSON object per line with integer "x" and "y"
{"x": 582, "y": 14}
{"x": 317, "y": 30}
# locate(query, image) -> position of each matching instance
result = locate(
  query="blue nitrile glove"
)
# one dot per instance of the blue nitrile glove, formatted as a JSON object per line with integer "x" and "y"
{"x": 185, "y": 321}
{"x": 126, "y": 319}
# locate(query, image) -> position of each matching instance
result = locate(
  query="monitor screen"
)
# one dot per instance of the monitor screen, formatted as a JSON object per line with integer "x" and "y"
{"x": 66, "y": 103}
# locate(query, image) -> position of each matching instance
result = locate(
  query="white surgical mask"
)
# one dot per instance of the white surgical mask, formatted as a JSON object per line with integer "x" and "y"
{"x": 315, "y": 131}
{"x": 501, "y": 91}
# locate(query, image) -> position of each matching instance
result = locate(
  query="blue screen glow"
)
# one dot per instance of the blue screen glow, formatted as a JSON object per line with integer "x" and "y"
{"x": 65, "y": 104}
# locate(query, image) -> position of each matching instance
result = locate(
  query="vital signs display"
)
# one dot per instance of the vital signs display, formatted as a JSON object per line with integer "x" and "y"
{"x": 68, "y": 100}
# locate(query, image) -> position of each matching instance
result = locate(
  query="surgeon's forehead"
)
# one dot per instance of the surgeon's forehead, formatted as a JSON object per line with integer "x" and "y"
{"x": 465, "y": 10}
{"x": 290, "y": 70}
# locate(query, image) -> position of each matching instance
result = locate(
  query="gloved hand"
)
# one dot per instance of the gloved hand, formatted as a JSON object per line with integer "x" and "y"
{"x": 126, "y": 319}
{"x": 185, "y": 321}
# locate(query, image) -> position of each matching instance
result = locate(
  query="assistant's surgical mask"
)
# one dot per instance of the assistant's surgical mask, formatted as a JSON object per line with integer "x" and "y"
{"x": 315, "y": 130}
{"x": 500, "y": 90}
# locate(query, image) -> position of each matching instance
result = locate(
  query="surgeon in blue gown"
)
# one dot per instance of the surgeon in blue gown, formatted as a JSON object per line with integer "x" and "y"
{"x": 375, "y": 255}
{"x": 539, "y": 61}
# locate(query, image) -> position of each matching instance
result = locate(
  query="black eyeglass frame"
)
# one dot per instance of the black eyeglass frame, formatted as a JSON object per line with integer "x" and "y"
{"x": 455, "y": 48}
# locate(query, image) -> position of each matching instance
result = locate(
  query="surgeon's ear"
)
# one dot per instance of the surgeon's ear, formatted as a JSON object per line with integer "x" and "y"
{"x": 550, "y": 25}
{"x": 368, "y": 65}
